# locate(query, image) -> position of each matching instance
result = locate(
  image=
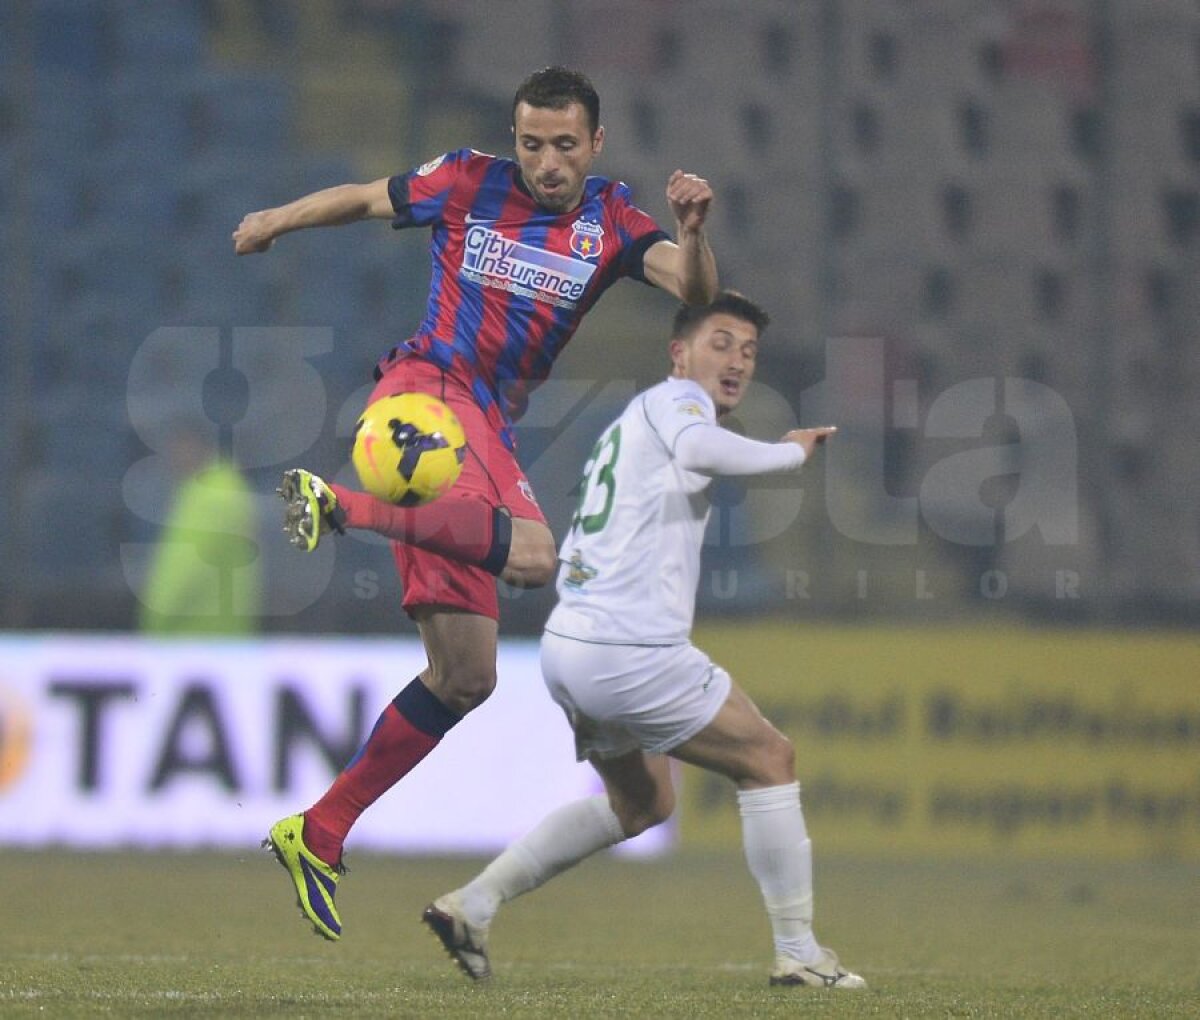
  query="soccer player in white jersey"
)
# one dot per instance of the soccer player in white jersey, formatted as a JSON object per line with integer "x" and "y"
{"x": 617, "y": 653}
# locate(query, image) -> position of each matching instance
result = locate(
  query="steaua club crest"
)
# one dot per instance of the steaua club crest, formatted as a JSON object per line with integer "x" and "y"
{"x": 587, "y": 239}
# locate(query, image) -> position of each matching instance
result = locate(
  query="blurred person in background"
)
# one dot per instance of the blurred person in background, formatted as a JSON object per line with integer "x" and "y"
{"x": 617, "y": 655}
{"x": 203, "y": 577}
{"x": 521, "y": 248}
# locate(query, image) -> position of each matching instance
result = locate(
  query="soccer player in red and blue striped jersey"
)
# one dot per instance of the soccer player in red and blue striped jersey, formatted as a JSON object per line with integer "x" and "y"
{"x": 521, "y": 249}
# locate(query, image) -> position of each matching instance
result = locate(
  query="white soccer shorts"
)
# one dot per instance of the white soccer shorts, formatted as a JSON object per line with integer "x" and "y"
{"x": 619, "y": 698}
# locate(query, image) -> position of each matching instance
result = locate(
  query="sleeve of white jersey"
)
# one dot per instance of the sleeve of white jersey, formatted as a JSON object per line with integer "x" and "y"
{"x": 712, "y": 450}
{"x": 674, "y": 407}
{"x": 685, "y": 419}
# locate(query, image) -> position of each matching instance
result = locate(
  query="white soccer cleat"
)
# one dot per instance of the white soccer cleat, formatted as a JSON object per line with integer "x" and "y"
{"x": 465, "y": 942}
{"x": 826, "y": 972}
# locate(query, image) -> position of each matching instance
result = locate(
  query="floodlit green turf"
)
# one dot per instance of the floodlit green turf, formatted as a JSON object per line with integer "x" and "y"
{"x": 217, "y": 935}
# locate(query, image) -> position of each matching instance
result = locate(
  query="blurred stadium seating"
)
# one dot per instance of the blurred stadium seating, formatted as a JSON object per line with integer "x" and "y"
{"x": 998, "y": 190}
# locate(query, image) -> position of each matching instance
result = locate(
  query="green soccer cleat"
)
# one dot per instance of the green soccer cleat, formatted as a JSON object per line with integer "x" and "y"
{"x": 315, "y": 881}
{"x": 312, "y": 508}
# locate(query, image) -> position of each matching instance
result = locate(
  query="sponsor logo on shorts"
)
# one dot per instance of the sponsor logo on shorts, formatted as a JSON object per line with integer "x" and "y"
{"x": 425, "y": 169}
{"x": 493, "y": 260}
{"x": 527, "y": 491}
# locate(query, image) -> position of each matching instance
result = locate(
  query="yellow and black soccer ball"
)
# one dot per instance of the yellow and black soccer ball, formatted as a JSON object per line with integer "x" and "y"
{"x": 408, "y": 448}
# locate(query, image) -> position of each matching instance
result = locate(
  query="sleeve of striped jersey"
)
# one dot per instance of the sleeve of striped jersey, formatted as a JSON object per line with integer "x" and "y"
{"x": 638, "y": 232}
{"x": 419, "y": 196}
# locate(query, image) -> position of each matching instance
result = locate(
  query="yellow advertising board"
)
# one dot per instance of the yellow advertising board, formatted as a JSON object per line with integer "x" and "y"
{"x": 1025, "y": 742}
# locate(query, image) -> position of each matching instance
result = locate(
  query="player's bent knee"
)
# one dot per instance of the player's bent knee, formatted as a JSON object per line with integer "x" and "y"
{"x": 464, "y": 688}
{"x": 636, "y": 818}
{"x": 533, "y": 559}
{"x": 779, "y": 760}
{"x": 769, "y": 761}
{"x": 637, "y": 823}
{"x": 545, "y": 565}
{"x": 532, "y": 568}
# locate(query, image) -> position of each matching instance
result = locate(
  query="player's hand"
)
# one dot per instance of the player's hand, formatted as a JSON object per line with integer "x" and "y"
{"x": 689, "y": 197}
{"x": 809, "y": 439}
{"x": 253, "y": 234}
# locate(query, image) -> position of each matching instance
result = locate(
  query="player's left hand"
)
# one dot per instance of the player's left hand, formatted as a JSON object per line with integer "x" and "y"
{"x": 689, "y": 197}
{"x": 809, "y": 439}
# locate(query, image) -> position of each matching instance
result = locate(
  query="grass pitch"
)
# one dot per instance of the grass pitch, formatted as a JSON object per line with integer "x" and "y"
{"x": 218, "y": 935}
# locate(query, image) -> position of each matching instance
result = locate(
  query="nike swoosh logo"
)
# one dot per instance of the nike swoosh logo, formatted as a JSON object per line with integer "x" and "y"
{"x": 472, "y": 219}
{"x": 368, "y": 448}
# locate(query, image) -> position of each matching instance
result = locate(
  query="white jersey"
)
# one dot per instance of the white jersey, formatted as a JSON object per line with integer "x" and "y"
{"x": 631, "y": 561}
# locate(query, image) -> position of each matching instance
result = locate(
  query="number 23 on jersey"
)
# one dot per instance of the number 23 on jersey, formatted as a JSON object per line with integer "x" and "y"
{"x": 598, "y": 487}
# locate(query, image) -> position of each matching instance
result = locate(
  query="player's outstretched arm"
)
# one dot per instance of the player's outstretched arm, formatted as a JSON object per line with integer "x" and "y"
{"x": 330, "y": 207}
{"x": 809, "y": 439}
{"x": 712, "y": 450}
{"x": 687, "y": 269}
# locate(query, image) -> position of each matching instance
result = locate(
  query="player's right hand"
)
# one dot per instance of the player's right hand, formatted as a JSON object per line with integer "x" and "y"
{"x": 809, "y": 439}
{"x": 253, "y": 234}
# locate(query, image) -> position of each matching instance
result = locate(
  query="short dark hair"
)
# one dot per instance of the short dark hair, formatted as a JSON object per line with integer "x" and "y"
{"x": 727, "y": 302}
{"x": 557, "y": 88}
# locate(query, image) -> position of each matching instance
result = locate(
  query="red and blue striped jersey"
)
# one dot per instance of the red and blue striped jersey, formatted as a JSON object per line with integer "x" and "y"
{"x": 511, "y": 280}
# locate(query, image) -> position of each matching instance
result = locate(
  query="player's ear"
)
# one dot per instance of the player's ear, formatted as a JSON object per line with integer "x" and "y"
{"x": 598, "y": 140}
{"x": 677, "y": 348}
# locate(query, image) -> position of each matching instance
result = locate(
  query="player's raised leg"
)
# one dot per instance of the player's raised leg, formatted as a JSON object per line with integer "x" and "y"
{"x": 520, "y": 551}
{"x": 743, "y": 745}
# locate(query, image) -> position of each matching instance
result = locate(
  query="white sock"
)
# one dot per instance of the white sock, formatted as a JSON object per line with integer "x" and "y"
{"x": 561, "y": 840}
{"x": 779, "y": 854}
